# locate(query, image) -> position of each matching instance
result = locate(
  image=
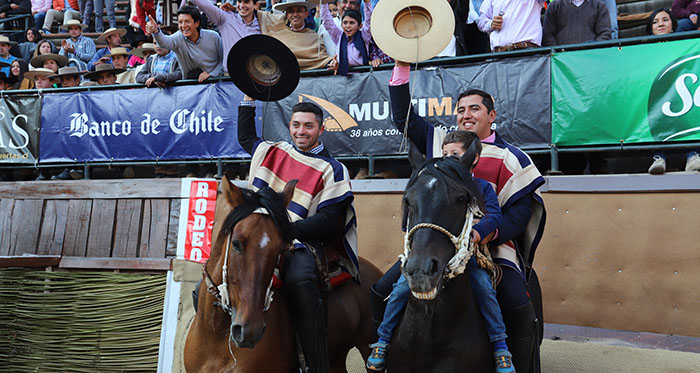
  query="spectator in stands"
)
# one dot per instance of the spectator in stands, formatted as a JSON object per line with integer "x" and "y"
{"x": 6, "y": 81}
{"x": 41, "y": 77}
{"x": 5, "y": 56}
{"x": 11, "y": 8}
{"x": 87, "y": 10}
{"x": 49, "y": 61}
{"x": 292, "y": 31}
{"x": 69, "y": 77}
{"x": 43, "y": 47}
{"x": 333, "y": 8}
{"x": 99, "y": 20}
{"x": 113, "y": 38}
{"x": 78, "y": 48}
{"x": 160, "y": 69}
{"x": 661, "y": 22}
{"x": 39, "y": 9}
{"x": 63, "y": 11}
{"x": 476, "y": 41}
{"x": 27, "y": 47}
{"x": 104, "y": 74}
{"x": 18, "y": 69}
{"x": 351, "y": 41}
{"x": 511, "y": 24}
{"x": 575, "y": 21}
{"x": 686, "y": 12}
{"x": 120, "y": 58}
{"x": 199, "y": 52}
{"x": 232, "y": 26}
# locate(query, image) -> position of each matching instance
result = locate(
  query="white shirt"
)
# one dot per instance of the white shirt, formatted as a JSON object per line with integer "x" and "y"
{"x": 521, "y": 21}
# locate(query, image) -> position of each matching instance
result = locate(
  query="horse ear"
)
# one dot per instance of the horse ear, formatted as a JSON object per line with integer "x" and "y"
{"x": 231, "y": 192}
{"x": 467, "y": 159}
{"x": 415, "y": 158}
{"x": 288, "y": 191}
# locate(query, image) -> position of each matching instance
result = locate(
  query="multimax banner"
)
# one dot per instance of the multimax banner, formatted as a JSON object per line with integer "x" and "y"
{"x": 200, "y": 121}
{"x": 19, "y": 129}
{"x": 642, "y": 93}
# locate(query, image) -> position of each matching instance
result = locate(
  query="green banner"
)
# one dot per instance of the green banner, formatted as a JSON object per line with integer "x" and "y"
{"x": 632, "y": 94}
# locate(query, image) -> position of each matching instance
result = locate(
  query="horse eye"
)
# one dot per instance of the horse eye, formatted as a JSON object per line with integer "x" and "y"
{"x": 236, "y": 244}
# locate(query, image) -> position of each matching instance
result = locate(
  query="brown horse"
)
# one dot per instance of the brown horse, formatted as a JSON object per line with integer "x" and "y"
{"x": 247, "y": 339}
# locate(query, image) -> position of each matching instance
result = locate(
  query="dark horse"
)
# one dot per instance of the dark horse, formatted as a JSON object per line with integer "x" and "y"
{"x": 442, "y": 328}
{"x": 242, "y": 337}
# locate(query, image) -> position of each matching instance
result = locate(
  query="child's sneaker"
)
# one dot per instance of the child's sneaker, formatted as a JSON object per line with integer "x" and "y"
{"x": 504, "y": 361}
{"x": 376, "y": 358}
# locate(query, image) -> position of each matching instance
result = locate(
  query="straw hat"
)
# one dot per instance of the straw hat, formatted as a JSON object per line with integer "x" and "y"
{"x": 38, "y": 61}
{"x": 33, "y": 74}
{"x": 145, "y": 47}
{"x": 68, "y": 70}
{"x": 263, "y": 68}
{"x": 103, "y": 38}
{"x": 101, "y": 68}
{"x": 118, "y": 51}
{"x": 5, "y": 40}
{"x": 73, "y": 22}
{"x": 282, "y": 7}
{"x": 419, "y": 30}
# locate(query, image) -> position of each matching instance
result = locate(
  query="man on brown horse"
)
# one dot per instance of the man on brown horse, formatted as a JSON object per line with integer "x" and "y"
{"x": 320, "y": 209}
{"x": 516, "y": 181}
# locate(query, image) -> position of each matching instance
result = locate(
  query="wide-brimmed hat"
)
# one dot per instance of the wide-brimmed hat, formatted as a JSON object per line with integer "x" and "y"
{"x": 73, "y": 22}
{"x": 103, "y": 38}
{"x": 68, "y": 70}
{"x": 412, "y": 30}
{"x": 263, "y": 68}
{"x": 101, "y": 68}
{"x": 10, "y": 79}
{"x": 38, "y": 61}
{"x": 282, "y": 7}
{"x": 32, "y": 74}
{"x": 145, "y": 47}
{"x": 4, "y": 39}
{"x": 139, "y": 38}
{"x": 118, "y": 51}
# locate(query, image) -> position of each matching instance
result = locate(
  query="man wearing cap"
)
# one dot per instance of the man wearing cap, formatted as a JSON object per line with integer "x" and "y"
{"x": 511, "y": 24}
{"x": 63, "y": 11}
{"x": 292, "y": 31}
{"x": 318, "y": 215}
{"x": 42, "y": 77}
{"x": 160, "y": 69}
{"x": 78, "y": 46}
{"x": 113, "y": 38}
{"x": 104, "y": 74}
{"x": 200, "y": 52}
{"x": 5, "y": 56}
{"x": 49, "y": 61}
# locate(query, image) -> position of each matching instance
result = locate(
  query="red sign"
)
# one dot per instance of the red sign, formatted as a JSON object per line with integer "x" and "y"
{"x": 200, "y": 219}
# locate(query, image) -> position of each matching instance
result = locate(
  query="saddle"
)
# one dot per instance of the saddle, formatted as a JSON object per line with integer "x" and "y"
{"x": 331, "y": 273}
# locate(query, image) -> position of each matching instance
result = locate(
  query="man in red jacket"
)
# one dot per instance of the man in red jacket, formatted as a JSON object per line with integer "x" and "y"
{"x": 63, "y": 11}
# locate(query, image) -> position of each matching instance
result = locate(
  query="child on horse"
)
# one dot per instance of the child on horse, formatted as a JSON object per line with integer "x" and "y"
{"x": 455, "y": 144}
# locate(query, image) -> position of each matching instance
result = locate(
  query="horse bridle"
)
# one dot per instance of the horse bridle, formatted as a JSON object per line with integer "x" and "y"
{"x": 464, "y": 248}
{"x": 220, "y": 292}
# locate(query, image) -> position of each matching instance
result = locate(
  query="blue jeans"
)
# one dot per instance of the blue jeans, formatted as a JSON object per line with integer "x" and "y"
{"x": 612, "y": 11}
{"x": 39, "y": 19}
{"x": 685, "y": 24}
{"x": 99, "y": 20}
{"x": 483, "y": 291}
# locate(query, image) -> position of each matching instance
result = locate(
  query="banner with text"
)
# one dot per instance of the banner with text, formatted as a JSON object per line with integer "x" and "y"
{"x": 196, "y": 219}
{"x": 641, "y": 93}
{"x": 19, "y": 129}
{"x": 185, "y": 122}
{"x": 357, "y": 108}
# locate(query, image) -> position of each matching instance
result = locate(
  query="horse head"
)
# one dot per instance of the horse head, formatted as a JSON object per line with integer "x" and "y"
{"x": 436, "y": 202}
{"x": 250, "y": 231}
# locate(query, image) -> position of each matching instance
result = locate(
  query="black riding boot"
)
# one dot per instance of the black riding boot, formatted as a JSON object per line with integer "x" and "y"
{"x": 521, "y": 326}
{"x": 309, "y": 319}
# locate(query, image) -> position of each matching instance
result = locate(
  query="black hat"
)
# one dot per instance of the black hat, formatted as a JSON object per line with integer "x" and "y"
{"x": 263, "y": 68}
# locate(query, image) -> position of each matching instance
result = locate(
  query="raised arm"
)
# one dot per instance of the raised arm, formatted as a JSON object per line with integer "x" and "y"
{"x": 247, "y": 136}
{"x": 327, "y": 21}
{"x": 215, "y": 14}
{"x": 366, "y": 29}
{"x": 400, "y": 97}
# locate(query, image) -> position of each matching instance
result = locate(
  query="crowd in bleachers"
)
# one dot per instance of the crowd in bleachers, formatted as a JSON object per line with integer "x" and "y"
{"x": 332, "y": 36}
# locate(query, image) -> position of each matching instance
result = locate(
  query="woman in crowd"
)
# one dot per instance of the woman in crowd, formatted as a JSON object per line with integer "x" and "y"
{"x": 28, "y": 46}
{"x": 17, "y": 69}
{"x": 662, "y": 22}
{"x": 43, "y": 47}
{"x": 351, "y": 41}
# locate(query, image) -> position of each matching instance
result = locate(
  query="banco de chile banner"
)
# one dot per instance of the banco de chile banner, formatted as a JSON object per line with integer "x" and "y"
{"x": 185, "y": 122}
{"x": 633, "y": 94}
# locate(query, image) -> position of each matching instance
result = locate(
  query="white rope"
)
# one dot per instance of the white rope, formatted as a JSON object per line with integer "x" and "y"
{"x": 223, "y": 288}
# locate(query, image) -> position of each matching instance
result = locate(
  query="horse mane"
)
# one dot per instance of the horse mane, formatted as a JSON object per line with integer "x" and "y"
{"x": 449, "y": 170}
{"x": 267, "y": 199}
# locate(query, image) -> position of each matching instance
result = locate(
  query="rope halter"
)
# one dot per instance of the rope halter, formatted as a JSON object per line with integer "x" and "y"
{"x": 464, "y": 248}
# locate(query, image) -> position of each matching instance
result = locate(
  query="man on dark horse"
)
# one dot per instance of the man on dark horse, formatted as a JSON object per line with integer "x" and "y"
{"x": 516, "y": 181}
{"x": 321, "y": 209}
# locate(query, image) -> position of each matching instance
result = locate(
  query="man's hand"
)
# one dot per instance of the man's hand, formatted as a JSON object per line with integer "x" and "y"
{"x": 101, "y": 61}
{"x": 66, "y": 47}
{"x": 149, "y": 81}
{"x": 227, "y": 7}
{"x": 333, "y": 65}
{"x": 497, "y": 23}
{"x": 152, "y": 27}
{"x": 375, "y": 62}
{"x": 476, "y": 238}
{"x": 2, "y": 15}
{"x": 693, "y": 18}
{"x": 34, "y": 12}
{"x": 203, "y": 76}
{"x": 14, "y": 6}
